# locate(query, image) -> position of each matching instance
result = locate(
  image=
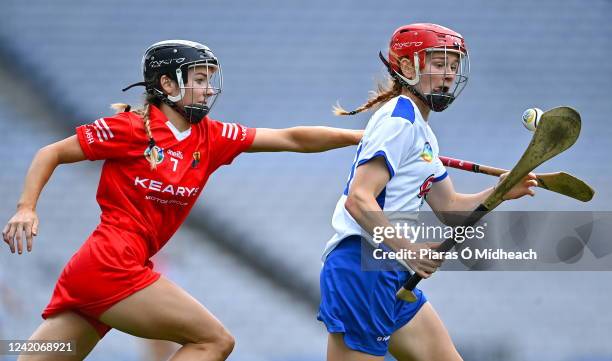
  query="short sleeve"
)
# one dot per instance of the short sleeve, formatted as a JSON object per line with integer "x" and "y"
{"x": 228, "y": 141}
{"x": 106, "y": 138}
{"x": 440, "y": 170}
{"x": 390, "y": 139}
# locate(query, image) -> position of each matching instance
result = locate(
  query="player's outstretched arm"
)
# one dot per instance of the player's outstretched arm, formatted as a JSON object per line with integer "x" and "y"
{"x": 303, "y": 139}
{"x": 25, "y": 220}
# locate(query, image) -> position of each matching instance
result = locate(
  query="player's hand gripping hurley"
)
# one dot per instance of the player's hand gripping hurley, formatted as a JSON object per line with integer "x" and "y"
{"x": 558, "y": 130}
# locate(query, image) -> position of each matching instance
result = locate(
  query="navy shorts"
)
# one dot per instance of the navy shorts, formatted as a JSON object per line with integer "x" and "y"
{"x": 362, "y": 304}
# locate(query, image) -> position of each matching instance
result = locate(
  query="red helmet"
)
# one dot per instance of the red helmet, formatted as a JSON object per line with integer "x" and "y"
{"x": 414, "y": 41}
{"x": 411, "y": 40}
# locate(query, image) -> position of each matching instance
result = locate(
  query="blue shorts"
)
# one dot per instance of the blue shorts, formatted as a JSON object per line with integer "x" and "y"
{"x": 362, "y": 304}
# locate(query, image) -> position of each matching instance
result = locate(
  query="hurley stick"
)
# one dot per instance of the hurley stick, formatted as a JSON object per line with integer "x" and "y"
{"x": 558, "y": 130}
{"x": 559, "y": 182}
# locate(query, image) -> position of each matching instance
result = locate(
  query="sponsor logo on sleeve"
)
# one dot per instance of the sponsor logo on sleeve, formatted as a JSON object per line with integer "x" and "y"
{"x": 231, "y": 130}
{"x": 89, "y": 134}
{"x": 425, "y": 187}
{"x": 103, "y": 131}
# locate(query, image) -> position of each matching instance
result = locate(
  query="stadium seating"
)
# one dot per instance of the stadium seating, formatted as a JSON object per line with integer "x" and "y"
{"x": 286, "y": 64}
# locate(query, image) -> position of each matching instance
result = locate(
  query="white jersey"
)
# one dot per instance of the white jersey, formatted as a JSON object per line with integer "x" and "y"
{"x": 398, "y": 133}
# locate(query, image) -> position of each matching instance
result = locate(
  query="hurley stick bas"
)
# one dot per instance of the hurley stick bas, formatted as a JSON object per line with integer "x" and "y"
{"x": 559, "y": 182}
{"x": 558, "y": 130}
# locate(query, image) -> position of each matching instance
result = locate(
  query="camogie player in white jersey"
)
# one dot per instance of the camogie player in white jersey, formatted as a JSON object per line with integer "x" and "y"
{"x": 396, "y": 169}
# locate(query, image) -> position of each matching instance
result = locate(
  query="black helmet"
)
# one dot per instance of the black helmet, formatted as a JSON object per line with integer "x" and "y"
{"x": 173, "y": 58}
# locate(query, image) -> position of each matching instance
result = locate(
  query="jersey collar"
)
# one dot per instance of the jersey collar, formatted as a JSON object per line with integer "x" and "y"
{"x": 157, "y": 114}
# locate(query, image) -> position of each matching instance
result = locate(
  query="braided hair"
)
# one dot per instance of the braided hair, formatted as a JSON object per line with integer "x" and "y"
{"x": 382, "y": 94}
{"x": 151, "y": 154}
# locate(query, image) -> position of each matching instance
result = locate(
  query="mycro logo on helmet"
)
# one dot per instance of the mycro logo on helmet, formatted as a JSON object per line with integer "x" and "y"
{"x": 159, "y": 63}
{"x": 398, "y": 46}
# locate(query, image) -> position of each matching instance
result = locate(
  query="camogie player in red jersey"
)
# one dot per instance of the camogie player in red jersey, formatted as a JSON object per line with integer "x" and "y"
{"x": 157, "y": 161}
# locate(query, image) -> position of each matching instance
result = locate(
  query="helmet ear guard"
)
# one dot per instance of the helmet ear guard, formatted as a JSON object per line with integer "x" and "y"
{"x": 405, "y": 82}
{"x": 409, "y": 82}
{"x": 181, "y": 84}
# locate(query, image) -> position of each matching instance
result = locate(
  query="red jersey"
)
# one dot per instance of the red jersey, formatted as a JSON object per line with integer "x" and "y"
{"x": 154, "y": 203}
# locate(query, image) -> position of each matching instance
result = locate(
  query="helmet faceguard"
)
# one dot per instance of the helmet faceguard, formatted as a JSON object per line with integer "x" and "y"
{"x": 430, "y": 49}
{"x": 175, "y": 58}
{"x": 213, "y": 83}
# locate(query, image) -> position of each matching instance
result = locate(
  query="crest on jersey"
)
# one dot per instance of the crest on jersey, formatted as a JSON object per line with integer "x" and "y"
{"x": 160, "y": 153}
{"x": 196, "y": 160}
{"x": 427, "y": 153}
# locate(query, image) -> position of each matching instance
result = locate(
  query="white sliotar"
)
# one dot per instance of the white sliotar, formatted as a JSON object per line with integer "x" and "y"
{"x": 531, "y": 118}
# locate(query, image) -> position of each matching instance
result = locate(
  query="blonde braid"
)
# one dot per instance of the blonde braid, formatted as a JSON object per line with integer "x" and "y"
{"x": 152, "y": 157}
{"x": 121, "y": 107}
{"x": 381, "y": 95}
{"x": 144, "y": 113}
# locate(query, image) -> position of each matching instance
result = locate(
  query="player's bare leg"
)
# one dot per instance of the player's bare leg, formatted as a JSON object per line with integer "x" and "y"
{"x": 158, "y": 350}
{"x": 424, "y": 338}
{"x": 165, "y": 311}
{"x": 337, "y": 350}
{"x": 66, "y": 326}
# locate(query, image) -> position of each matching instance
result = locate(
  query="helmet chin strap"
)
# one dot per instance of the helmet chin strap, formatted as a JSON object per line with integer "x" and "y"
{"x": 193, "y": 113}
{"x": 435, "y": 102}
{"x": 196, "y": 112}
{"x": 439, "y": 102}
